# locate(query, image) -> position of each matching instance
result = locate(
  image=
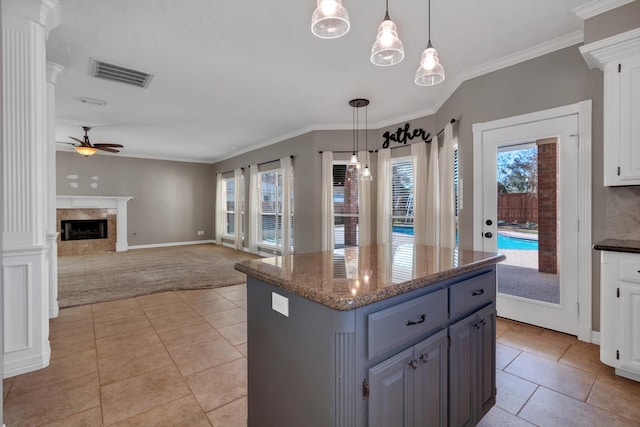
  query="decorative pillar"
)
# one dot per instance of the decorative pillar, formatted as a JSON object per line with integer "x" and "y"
{"x": 53, "y": 73}
{"x": 25, "y": 249}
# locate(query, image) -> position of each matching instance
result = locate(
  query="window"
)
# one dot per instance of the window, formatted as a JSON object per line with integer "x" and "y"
{"x": 401, "y": 201}
{"x": 229, "y": 205}
{"x": 345, "y": 204}
{"x": 270, "y": 209}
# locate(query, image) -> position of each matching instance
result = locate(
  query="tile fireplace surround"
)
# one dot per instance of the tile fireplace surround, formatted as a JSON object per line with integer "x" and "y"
{"x": 112, "y": 208}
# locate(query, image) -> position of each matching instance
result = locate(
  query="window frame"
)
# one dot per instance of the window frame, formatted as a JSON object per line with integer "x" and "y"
{"x": 225, "y": 206}
{"x": 277, "y": 214}
{"x": 394, "y": 161}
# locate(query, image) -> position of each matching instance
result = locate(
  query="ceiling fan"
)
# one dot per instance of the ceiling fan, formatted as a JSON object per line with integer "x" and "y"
{"x": 87, "y": 149}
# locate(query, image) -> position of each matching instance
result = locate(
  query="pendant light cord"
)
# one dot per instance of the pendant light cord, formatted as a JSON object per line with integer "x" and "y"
{"x": 429, "y": 18}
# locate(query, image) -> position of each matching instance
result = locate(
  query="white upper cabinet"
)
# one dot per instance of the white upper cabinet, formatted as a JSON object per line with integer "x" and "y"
{"x": 619, "y": 57}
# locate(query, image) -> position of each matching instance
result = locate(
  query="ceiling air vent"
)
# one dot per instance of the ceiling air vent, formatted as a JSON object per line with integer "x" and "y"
{"x": 118, "y": 73}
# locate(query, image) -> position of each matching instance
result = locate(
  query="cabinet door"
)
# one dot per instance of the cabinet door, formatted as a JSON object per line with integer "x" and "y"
{"x": 621, "y": 124}
{"x": 629, "y": 327}
{"x": 462, "y": 371}
{"x": 486, "y": 346}
{"x": 391, "y": 384}
{"x": 629, "y": 123}
{"x": 430, "y": 381}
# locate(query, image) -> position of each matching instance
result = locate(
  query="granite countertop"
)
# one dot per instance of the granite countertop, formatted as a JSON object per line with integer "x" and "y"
{"x": 618, "y": 245}
{"x": 349, "y": 278}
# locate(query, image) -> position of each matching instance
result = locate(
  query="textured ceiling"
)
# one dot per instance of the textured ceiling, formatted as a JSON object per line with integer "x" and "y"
{"x": 231, "y": 75}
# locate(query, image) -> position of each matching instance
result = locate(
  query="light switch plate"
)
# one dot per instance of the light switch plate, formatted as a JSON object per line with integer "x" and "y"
{"x": 280, "y": 304}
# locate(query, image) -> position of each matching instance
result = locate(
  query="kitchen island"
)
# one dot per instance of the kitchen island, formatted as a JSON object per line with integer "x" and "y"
{"x": 371, "y": 336}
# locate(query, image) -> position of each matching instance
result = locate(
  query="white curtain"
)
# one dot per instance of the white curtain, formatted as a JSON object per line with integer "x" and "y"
{"x": 220, "y": 215}
{"x": 420, "y": 199}
{"x": 433, "y": 196}
{"x": 364, "y": 203}
{"x": 287, "y": 209}
{"x": 383, "y": 229}
{"x": 237, "y": 224}
{"x": 327, "y": 201}
{"x": 447, "y": 202}
{"x": 254, "y": 203}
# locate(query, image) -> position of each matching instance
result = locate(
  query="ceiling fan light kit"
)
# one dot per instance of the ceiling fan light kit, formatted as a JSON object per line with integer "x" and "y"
{"x": 330, "y": 19}
{"x": 87, "y": 149}
{"x": 388, "y": 48}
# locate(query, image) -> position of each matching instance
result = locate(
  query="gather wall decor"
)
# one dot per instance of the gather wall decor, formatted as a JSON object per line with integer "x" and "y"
{"x": 403, "y": 135}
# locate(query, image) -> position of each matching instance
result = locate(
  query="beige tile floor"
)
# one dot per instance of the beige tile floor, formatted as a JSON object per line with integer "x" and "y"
{"x": 179, "y": 359}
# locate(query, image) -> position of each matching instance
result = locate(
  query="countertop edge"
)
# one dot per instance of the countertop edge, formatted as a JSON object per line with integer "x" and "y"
{"x": 351, "y": 303}
{"x": 618, "y": 245}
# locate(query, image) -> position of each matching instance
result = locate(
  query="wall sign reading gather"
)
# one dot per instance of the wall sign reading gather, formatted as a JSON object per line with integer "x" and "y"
{"x": 403, "y": 135}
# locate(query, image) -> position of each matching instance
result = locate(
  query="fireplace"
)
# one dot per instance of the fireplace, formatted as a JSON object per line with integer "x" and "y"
{"x": 83, "y": 229}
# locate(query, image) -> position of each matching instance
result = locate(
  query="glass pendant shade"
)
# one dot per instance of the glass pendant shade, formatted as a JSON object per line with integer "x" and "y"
{"x": 85, "y": 151}
{"x": 354, "y": 159}
{"x": 330, "y": 20}
{"x": 430, "y": 72}
{"x": 366, "y": 174}
{"x": 388, "y": 48}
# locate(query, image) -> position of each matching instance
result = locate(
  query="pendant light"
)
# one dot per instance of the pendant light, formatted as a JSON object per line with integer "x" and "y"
{"x": 365, "y": 175}
{"x": 430, "y": 72}
{"x": 366, "y": 172}
{"x": 330, "y": 20}
{"x": 354, "y": 154}
{"x": 388, "y": 48}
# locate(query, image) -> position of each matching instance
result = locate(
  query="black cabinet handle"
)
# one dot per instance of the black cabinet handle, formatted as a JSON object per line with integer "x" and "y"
{"x": 422, "y": 319}
{"x": 478, "y": 292}
{"x": 488, "y": 234}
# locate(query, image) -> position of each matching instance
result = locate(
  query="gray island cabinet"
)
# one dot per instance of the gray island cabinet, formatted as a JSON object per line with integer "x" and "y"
{"x": 371, "y": 336}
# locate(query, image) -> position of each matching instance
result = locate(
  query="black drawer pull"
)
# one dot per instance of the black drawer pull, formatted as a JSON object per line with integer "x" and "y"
{"x": 478, "y": 292}
{"x": 422, "y": 319}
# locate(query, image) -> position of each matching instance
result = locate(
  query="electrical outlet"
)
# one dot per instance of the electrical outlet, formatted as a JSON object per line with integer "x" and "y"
{"x": 280, "y": 304}
{"x": 200, "y": 232}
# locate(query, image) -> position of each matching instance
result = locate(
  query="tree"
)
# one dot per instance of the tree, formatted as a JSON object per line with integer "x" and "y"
{"x": 518, "y": 171}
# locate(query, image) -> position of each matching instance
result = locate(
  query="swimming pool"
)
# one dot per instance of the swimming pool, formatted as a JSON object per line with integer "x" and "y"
{"x": 508, "y": 242}
{"x": 504, "y": 242}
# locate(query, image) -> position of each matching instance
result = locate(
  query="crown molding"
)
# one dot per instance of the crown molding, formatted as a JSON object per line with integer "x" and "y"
{"x": 43, "y": 12}
{"x": 597, "y": 7}
{"x": 598, "y": 53}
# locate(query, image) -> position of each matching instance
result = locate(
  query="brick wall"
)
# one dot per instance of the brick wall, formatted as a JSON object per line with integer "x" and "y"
{"x": 547, "y": 206}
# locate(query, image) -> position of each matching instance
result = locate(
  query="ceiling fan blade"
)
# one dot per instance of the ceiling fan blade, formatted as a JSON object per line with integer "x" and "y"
{"x": 108, "y": 145}
{"x": 110, "y": 150}
{"x": 76, "y": 139}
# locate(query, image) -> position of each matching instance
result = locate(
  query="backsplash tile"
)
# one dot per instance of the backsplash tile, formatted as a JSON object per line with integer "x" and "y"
{"x": 623, "y": 213}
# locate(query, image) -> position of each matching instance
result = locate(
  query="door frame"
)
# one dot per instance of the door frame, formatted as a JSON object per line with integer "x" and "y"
{"x": 583, "y": 110}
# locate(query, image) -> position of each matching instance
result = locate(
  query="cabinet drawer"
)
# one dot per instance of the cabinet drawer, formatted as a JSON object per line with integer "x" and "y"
{"x": 629, "y": 269}
{"x": 391, "y": 327}
{"x": 471, "y": 294}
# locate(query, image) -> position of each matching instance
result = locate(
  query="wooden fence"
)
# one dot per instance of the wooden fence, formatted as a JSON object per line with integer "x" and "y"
{"x": 518, "y": 207}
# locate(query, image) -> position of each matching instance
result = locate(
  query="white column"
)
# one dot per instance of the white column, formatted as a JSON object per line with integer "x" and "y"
{"x": 25, "y": 250}
{"x": 53, "y": 73}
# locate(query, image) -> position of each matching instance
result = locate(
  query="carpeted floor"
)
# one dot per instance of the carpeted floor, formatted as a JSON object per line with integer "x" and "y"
{"x": 86, "y": 279}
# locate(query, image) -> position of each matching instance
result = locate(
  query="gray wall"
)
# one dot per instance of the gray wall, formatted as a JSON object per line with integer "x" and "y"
{"x": 613, "y": 22}
{"x": 172, "y": 200}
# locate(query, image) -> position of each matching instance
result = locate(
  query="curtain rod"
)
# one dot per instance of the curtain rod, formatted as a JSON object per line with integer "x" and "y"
{"x": 270, "y": 161}
{"x": 344, "y": 151}
{"x": 452, "y": 122}
{"x": 223, "y": 173}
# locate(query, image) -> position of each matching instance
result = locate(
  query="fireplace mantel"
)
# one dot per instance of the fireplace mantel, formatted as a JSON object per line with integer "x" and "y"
{"x": 102, "y": 202}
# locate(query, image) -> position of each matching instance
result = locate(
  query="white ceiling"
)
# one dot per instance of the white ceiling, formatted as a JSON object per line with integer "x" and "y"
{"x": 233, "y": 75}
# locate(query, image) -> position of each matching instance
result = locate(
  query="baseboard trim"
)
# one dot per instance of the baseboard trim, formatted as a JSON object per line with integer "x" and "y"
{"x": 164, "y": 245}
{"x": 595, "y": 337}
